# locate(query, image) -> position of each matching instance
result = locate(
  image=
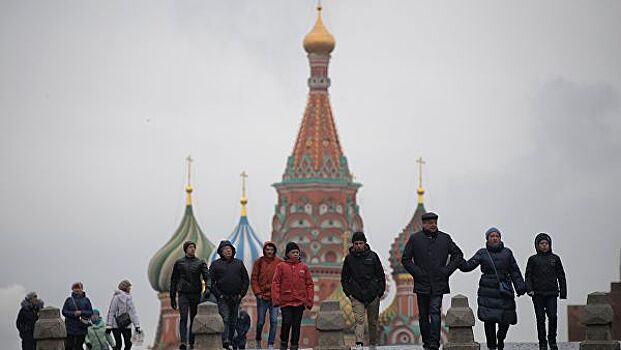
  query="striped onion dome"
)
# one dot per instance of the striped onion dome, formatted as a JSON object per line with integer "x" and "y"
{"x": 161, "y": 265}
{"x": 248, "y": 245}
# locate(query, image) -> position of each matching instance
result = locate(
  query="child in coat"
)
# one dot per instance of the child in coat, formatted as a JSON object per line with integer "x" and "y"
{"x": 545, "y": 282}
{"x": 96, "y": 337}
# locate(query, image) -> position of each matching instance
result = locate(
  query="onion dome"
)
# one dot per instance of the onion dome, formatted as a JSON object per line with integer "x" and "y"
{"x": 319, "y": 40}
{"x": 161, "y": 265}
{"x": 248, "y": 245}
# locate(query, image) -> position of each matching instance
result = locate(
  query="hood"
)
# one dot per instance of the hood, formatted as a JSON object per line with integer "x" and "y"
{"x": 270, "y": 244}
{"x": 543, "y": 237}
{"x": 28, "y": 305}
{"x": 121, "y": 295}
{"x": 292, "y": 261}
{"x": 224, "y": 244}
{"x": 365, "y": 252}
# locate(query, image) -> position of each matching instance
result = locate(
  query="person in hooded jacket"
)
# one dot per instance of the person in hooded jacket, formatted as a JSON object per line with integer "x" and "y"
{"x": 364, "y": 282}
{"x": 495, "y": 307}
{"x": 188, "y": 275}
{"x": 96, "y": 337}
{"x": 122, "y": 302}
{"x": 77, "y": 310}
{"x": 26, "y": 319}
{"x": 430, "y": 256}
{"x": 261, "y": 281}
{"x": 229, "y": 282}
{"x": 292, "y": 290}
{"x": 545, "y": 281}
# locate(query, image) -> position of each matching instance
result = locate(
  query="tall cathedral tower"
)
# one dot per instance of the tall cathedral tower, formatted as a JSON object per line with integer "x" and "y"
{"x": 317, "y": 195}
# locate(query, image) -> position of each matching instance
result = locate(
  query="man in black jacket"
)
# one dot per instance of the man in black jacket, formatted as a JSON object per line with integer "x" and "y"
{"x": 229, "y": 283}
{"x": 364, "y": 282}
{"x": 26, "y": 319}
{"x": 545, "y": 280}
{"x": 425, "y": 257}
{"x": 186, "y": 280}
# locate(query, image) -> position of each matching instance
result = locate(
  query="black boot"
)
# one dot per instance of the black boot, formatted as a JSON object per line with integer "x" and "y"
{"x": 553, "y": 345}
{"x": 283, "y": 346}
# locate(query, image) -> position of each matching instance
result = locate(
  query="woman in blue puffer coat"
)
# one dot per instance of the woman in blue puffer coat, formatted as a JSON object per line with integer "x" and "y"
{"x": 494, "y": 306}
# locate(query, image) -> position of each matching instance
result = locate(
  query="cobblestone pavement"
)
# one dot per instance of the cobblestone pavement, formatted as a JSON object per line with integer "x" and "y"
{"x": 508, "y": 346}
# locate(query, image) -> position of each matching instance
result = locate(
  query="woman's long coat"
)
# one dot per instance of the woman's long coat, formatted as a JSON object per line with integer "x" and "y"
{"x": 493, "y": 307}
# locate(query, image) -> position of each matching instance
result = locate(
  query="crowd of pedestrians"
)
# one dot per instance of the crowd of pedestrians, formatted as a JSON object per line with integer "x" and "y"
{"x": 285, "y": 287}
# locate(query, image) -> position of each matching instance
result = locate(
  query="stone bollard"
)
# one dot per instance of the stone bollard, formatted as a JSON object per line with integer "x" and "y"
{"x": 460, "y": 320}
{"x": 330, "y": 325}
{"x": 207, "y": 327}
{"x": 597, "y": 318}
{"x": 49, "y": 330}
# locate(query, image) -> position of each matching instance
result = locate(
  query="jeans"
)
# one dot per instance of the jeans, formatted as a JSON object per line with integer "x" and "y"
{"x": 429, "y": 319}
{"x": 496, "y": 340}
{"x": 262, "y": 307}
{"x": 545, "y": 305}
{"x": 126, "y": 333}
{"x": 228, "y": 309}
{"x": 371, "y": 311}
{"x": 291, "y": 321}
{"x": 188, "y": 304}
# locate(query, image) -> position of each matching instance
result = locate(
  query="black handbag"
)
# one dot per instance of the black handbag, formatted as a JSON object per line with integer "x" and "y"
{"x": 504, "y": 287}
{"x": 123, "y": 320}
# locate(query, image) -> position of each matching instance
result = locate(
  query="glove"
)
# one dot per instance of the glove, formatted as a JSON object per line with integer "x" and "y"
{"x": 138, "y": 330}
{"x": 173, "y": 303}
{"x": 563, "y": 297}
{"x": 309, "y": 306}
{"x": 108, "y": 330}
{"x": 531, "y": 293}
{"x": 89, "y": 345}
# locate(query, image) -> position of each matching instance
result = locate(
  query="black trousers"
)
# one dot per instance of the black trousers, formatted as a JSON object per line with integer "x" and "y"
{"x": 29, "y": 344}
{"x": 545, "y": 306}
{"x": 75, "y": 342}
{"x": 291, "y": 321}
{"x": 429, "y": 319}
{"x": 126, "y": 333}
{"x": 496, "y": 340}
{"x": 228, "y": 309}
{"x": 188, "y": 305}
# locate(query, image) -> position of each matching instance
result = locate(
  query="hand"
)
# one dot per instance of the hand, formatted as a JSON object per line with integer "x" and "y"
{"x": 138, "y": 330}
{"x": 309, "y": 306}
{"x": 531, "y": 293}
{"x": 89, "y": 345}
{"x": 563, "y": 297}
{"x": 173, "y": 303}
{"x": 108, "y": 330}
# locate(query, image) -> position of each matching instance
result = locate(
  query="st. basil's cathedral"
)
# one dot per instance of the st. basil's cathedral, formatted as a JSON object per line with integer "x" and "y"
{"x": 316, "y": 207}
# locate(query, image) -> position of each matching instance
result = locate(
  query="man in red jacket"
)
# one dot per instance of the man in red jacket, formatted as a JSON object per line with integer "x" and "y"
{"x": 292, "y": 290}
{"x": 262, "y": 276}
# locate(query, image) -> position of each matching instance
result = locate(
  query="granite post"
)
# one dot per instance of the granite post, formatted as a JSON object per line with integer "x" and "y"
{"x": 330, "y": 325}
{"x": 597, "y": 318}
{"x": 460, "y": 320}
{"x": 49, "y": 331}
{"x": 207, "y": 327}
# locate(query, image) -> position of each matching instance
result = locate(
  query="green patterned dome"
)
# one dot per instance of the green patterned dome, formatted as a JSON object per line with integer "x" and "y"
{"x": 161, "y": 265}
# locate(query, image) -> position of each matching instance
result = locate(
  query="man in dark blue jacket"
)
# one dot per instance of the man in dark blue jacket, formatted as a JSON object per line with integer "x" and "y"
{"x": 425, "y": 257}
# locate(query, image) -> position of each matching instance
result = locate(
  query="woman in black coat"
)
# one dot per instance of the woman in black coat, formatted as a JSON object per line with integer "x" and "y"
{"x": 26, "y": 319}
{"x": 496, "y": 307}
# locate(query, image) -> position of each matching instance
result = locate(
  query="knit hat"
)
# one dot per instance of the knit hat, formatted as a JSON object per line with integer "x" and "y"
{"x": 124, "y": 285}
{"x": 358, "y": 236}
{"x": 492, "y": 230}
{"x": 77, "y": 285}
{"x": 186, "y": 244}
{"x": 429, "y": 216}
{"x": 291, "y": 246}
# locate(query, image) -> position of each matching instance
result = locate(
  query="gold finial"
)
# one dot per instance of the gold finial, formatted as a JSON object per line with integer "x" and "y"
{"x": 188, "y": 188}
{"x": 420, "y": 191}
{"x": 319, "y": 40}
{"x": 244, "y": 199}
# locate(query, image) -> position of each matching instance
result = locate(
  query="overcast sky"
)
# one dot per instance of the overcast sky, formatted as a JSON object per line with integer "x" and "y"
{"x": 515, "y": 106}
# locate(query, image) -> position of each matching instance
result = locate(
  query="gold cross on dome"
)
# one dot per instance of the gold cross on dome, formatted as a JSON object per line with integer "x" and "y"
{"x": 189, "y": 160}
{"x": 420, "y": 162}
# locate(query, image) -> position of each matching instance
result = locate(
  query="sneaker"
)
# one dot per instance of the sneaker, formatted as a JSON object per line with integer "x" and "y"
{"x": 270, "y": 346}
{"x": 358, "y": 345}
{"x": 182, "y": 347}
